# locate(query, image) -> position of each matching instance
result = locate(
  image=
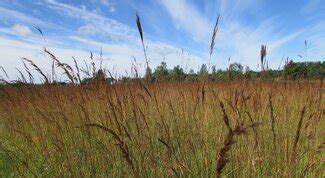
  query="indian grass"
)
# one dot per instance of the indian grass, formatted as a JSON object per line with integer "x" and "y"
{"x": 157, "y": 129}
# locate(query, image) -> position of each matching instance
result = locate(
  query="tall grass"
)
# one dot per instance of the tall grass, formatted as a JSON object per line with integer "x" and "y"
{"x": 197, "y": 129}
{"x": 162, "y": 129}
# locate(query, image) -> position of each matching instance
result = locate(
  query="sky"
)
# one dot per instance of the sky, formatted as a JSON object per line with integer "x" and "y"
{"x": 177, "y": 32}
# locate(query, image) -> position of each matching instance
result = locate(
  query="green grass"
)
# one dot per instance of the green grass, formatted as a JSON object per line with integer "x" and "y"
{"x": 161, "y": 129}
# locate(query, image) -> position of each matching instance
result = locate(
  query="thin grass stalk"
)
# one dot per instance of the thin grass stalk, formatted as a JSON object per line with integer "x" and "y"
{"x": 138, "y": 21}
{"x": 213, "y": 38}
{"x": 297, "y": 136}
{"x": 272, "y": 117}
{"x": 46, "y": 80}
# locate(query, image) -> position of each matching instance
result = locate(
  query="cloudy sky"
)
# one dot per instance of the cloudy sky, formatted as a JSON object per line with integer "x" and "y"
{"x": 176, "y": 31}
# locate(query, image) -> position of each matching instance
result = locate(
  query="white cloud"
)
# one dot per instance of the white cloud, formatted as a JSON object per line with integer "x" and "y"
{"x": 21, "y": 30}
{"x": 274, "y": 45}
{"x": 233, "y": 39}
{"x": 109, "y": 5}
{"x": 243, "y": 43}
{"x": 188, "y": 18}
{"x": 94, "y": 22}
{"x": 117, "y": 58}
{"x": 315, "y": 37}
{"x": 233, "y": 8}
{"x": 156, "y": 52}
{"x": 18, "y": 17}
{"x": 120, "y": 42}
{"x": 120, "y": 34}
{"x": 118, "y": 53}
{"x": 240, "y": 41}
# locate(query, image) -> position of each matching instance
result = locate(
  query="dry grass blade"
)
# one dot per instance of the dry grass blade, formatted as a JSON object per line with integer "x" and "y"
{"x": 263, "y": 55}
{"x": 146, "y": 89}
{"x": 37, "y": 69}
{"x": 213, "y": 39}
{"x": 86, "y": 70}
{"x": 39, "y": 30}
{"x": 272, "y": 121}
{"x": 203, "y": 93}
{"x": 123, "y": 147}
{"x": 297, "y": 136}
{"x": 53, "y": 71}
{"x": 229, "y": 140}
{"x": 254, "y": 130}
{"x": 222, "y": 155}
{"x": 93, "y": 64}
{"x": 31, "y": 77}
{"x": 23, "y": 79}
{"x": 4, "y": 71}
{"x": 67, "y": 68}
{"x": 138, "y": 21}
{"x": 163, "y": 142}
{"x": 78, "y": 70}
{"x": 225, "y": 115}
{"x": 214, "y": 34}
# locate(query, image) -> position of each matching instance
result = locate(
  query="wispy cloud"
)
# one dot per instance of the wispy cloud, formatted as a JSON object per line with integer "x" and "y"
{"x": 186, "y": 23}
{"x": 95, "y": 23}
{"x": 243, "y": 44}
{"x": 187, "y": 17}
{"x": 121, "y": 35}
{"x": 234, "y": 8}
{"x": 236, "y": 39}
{"x": 21, "y": 30}
{"x": 18, "y": 17}
{"x": 119, "y": 50}
{"x": 108, "y": 5}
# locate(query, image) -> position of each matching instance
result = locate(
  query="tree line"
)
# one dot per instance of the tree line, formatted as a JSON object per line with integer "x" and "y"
{"x": 291, "y": 71}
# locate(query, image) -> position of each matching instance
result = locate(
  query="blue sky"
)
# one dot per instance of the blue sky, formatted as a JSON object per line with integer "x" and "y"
{"x": 73, "y": 28}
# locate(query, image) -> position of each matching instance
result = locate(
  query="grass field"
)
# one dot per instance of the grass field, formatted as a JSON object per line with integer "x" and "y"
{"x": 247, "y": 128}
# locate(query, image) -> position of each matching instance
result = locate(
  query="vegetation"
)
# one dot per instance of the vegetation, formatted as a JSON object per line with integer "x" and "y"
{"x": 291, "y": 71}
{"x": 232, "y": 128}
{"x": 234, "y": 123}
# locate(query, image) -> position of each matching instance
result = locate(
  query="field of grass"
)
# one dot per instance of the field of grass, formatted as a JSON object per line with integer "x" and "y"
{"x": 202, "y": 129}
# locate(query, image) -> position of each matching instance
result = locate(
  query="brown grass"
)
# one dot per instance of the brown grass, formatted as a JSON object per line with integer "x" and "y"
{"x": 163, "y": 129}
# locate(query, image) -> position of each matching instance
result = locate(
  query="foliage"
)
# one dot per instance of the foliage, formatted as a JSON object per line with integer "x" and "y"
{"x": 161, "y": 73}
{"x": 242, "y": 128}
{"x": 295, "y": 70}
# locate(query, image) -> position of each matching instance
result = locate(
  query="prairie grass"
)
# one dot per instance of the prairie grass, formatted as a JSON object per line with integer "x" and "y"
{"x": 248, "y": 128}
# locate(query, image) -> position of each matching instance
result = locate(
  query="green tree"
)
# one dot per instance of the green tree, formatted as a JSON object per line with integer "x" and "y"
{"x": 203, "y": 73}
{"x": 235, "y": 70}
{"x": 148, "y": 77}
{"x": 177, "y": 74}
{"x": 161, "y": 72}
{"x": 236, "y": 67}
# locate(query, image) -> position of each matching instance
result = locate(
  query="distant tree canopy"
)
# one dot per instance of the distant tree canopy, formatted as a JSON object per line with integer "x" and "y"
{"x": 291, "y": 71}
{"x": 177, "y": 74}
{"x": 294, "y": 70}
{"x": 161, "y": 73}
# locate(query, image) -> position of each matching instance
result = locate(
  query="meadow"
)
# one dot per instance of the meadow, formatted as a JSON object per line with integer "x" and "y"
{"x": 235, "y": 128}
{"x": 166, "y": 124}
